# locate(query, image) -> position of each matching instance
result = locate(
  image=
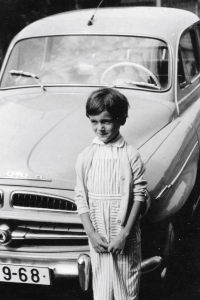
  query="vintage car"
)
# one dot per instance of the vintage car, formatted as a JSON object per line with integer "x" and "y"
{"x": 151, "y": 55}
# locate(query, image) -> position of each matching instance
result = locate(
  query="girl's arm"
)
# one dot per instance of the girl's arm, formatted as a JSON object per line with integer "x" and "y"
{"x": 117, "y": 244}
{"x": 139, "y": 191}
{"x": 98, "y": 242}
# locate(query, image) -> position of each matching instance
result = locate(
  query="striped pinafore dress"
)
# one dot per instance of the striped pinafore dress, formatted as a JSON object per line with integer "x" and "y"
{"x": 115, "y": 276}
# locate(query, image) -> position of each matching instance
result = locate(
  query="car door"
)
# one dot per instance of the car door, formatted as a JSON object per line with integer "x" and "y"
{"x": 188, "y": 76}
{"x": 176, "y": 160}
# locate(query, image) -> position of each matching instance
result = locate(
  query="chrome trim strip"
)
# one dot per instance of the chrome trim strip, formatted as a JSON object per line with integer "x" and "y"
{"x": 18, "y": 234}
{"x": 1, "y": 198}
{"x": 167, "y": 187}
{"x": 195, "y": 78}
{"x": 30, "y": 235}
{"x": 21, "y": 178}
{"x": 188, "y": 95}
{"x": 46, "y": 209}
{"x": 53, "y": 236}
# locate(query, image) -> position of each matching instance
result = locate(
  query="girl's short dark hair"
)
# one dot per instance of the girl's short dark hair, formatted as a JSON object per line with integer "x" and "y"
{"x": 110, "y": 100}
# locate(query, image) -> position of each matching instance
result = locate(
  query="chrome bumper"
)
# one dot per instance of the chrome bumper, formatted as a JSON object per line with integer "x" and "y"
{"x": 84, "y": 268}
{"x": 63, "y": 265}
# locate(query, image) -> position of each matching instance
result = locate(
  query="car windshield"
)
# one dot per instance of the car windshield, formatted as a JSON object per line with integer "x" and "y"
{"x": 126, "y": 61}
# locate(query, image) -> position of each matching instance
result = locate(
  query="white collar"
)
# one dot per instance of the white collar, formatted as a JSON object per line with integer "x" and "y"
{"x": 117, "y": 142}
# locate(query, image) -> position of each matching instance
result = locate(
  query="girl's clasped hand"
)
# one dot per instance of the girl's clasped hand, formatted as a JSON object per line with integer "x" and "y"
{"x": 98, "y": 242}
{"x": 101, "y": 245}
{"x": 117, "y": 245}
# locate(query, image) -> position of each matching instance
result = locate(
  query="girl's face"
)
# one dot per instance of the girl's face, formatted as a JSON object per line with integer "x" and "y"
{"x": 104, "y": 126}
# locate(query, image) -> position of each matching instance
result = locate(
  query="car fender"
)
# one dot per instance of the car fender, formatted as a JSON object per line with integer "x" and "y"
{"x": 171, "y": 169}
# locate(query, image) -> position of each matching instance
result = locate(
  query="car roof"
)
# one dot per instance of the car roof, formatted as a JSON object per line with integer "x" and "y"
{"x": 151, "y": 21}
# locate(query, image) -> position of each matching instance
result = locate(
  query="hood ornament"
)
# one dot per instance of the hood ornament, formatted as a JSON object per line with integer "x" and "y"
{"x": 22, "y": 176}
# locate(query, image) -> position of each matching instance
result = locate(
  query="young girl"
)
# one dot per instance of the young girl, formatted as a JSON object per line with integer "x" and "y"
{"x": 110, "y": 195}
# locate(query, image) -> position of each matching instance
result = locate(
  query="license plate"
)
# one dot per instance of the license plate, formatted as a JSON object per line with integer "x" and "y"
{"x": 24, "y": 274}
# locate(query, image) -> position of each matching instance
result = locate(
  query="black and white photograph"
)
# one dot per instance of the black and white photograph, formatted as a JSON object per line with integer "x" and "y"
{"x": 100, "y": 149}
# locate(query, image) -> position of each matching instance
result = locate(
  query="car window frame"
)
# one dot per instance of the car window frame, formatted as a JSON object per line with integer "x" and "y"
{"x": 170, "y": 58}
{"x": 187, "y": 95}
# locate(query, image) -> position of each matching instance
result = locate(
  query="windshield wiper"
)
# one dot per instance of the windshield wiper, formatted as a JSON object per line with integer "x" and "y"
{"x": 26, "y": 74}
{"x": 143, "y": 84}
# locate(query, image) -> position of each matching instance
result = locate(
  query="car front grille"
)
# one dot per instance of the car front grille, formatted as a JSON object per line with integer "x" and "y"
{"x": 37, "y": 201}
{"x": 48, "y": 231}
{"x": 42, "y": 234}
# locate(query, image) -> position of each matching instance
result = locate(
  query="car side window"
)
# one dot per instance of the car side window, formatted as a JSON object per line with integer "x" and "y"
{"x": 188, "y": 63}
{"x": 188, "y": 66}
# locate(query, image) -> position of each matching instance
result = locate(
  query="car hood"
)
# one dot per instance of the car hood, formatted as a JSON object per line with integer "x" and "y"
{"x": 41, "y": 135}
